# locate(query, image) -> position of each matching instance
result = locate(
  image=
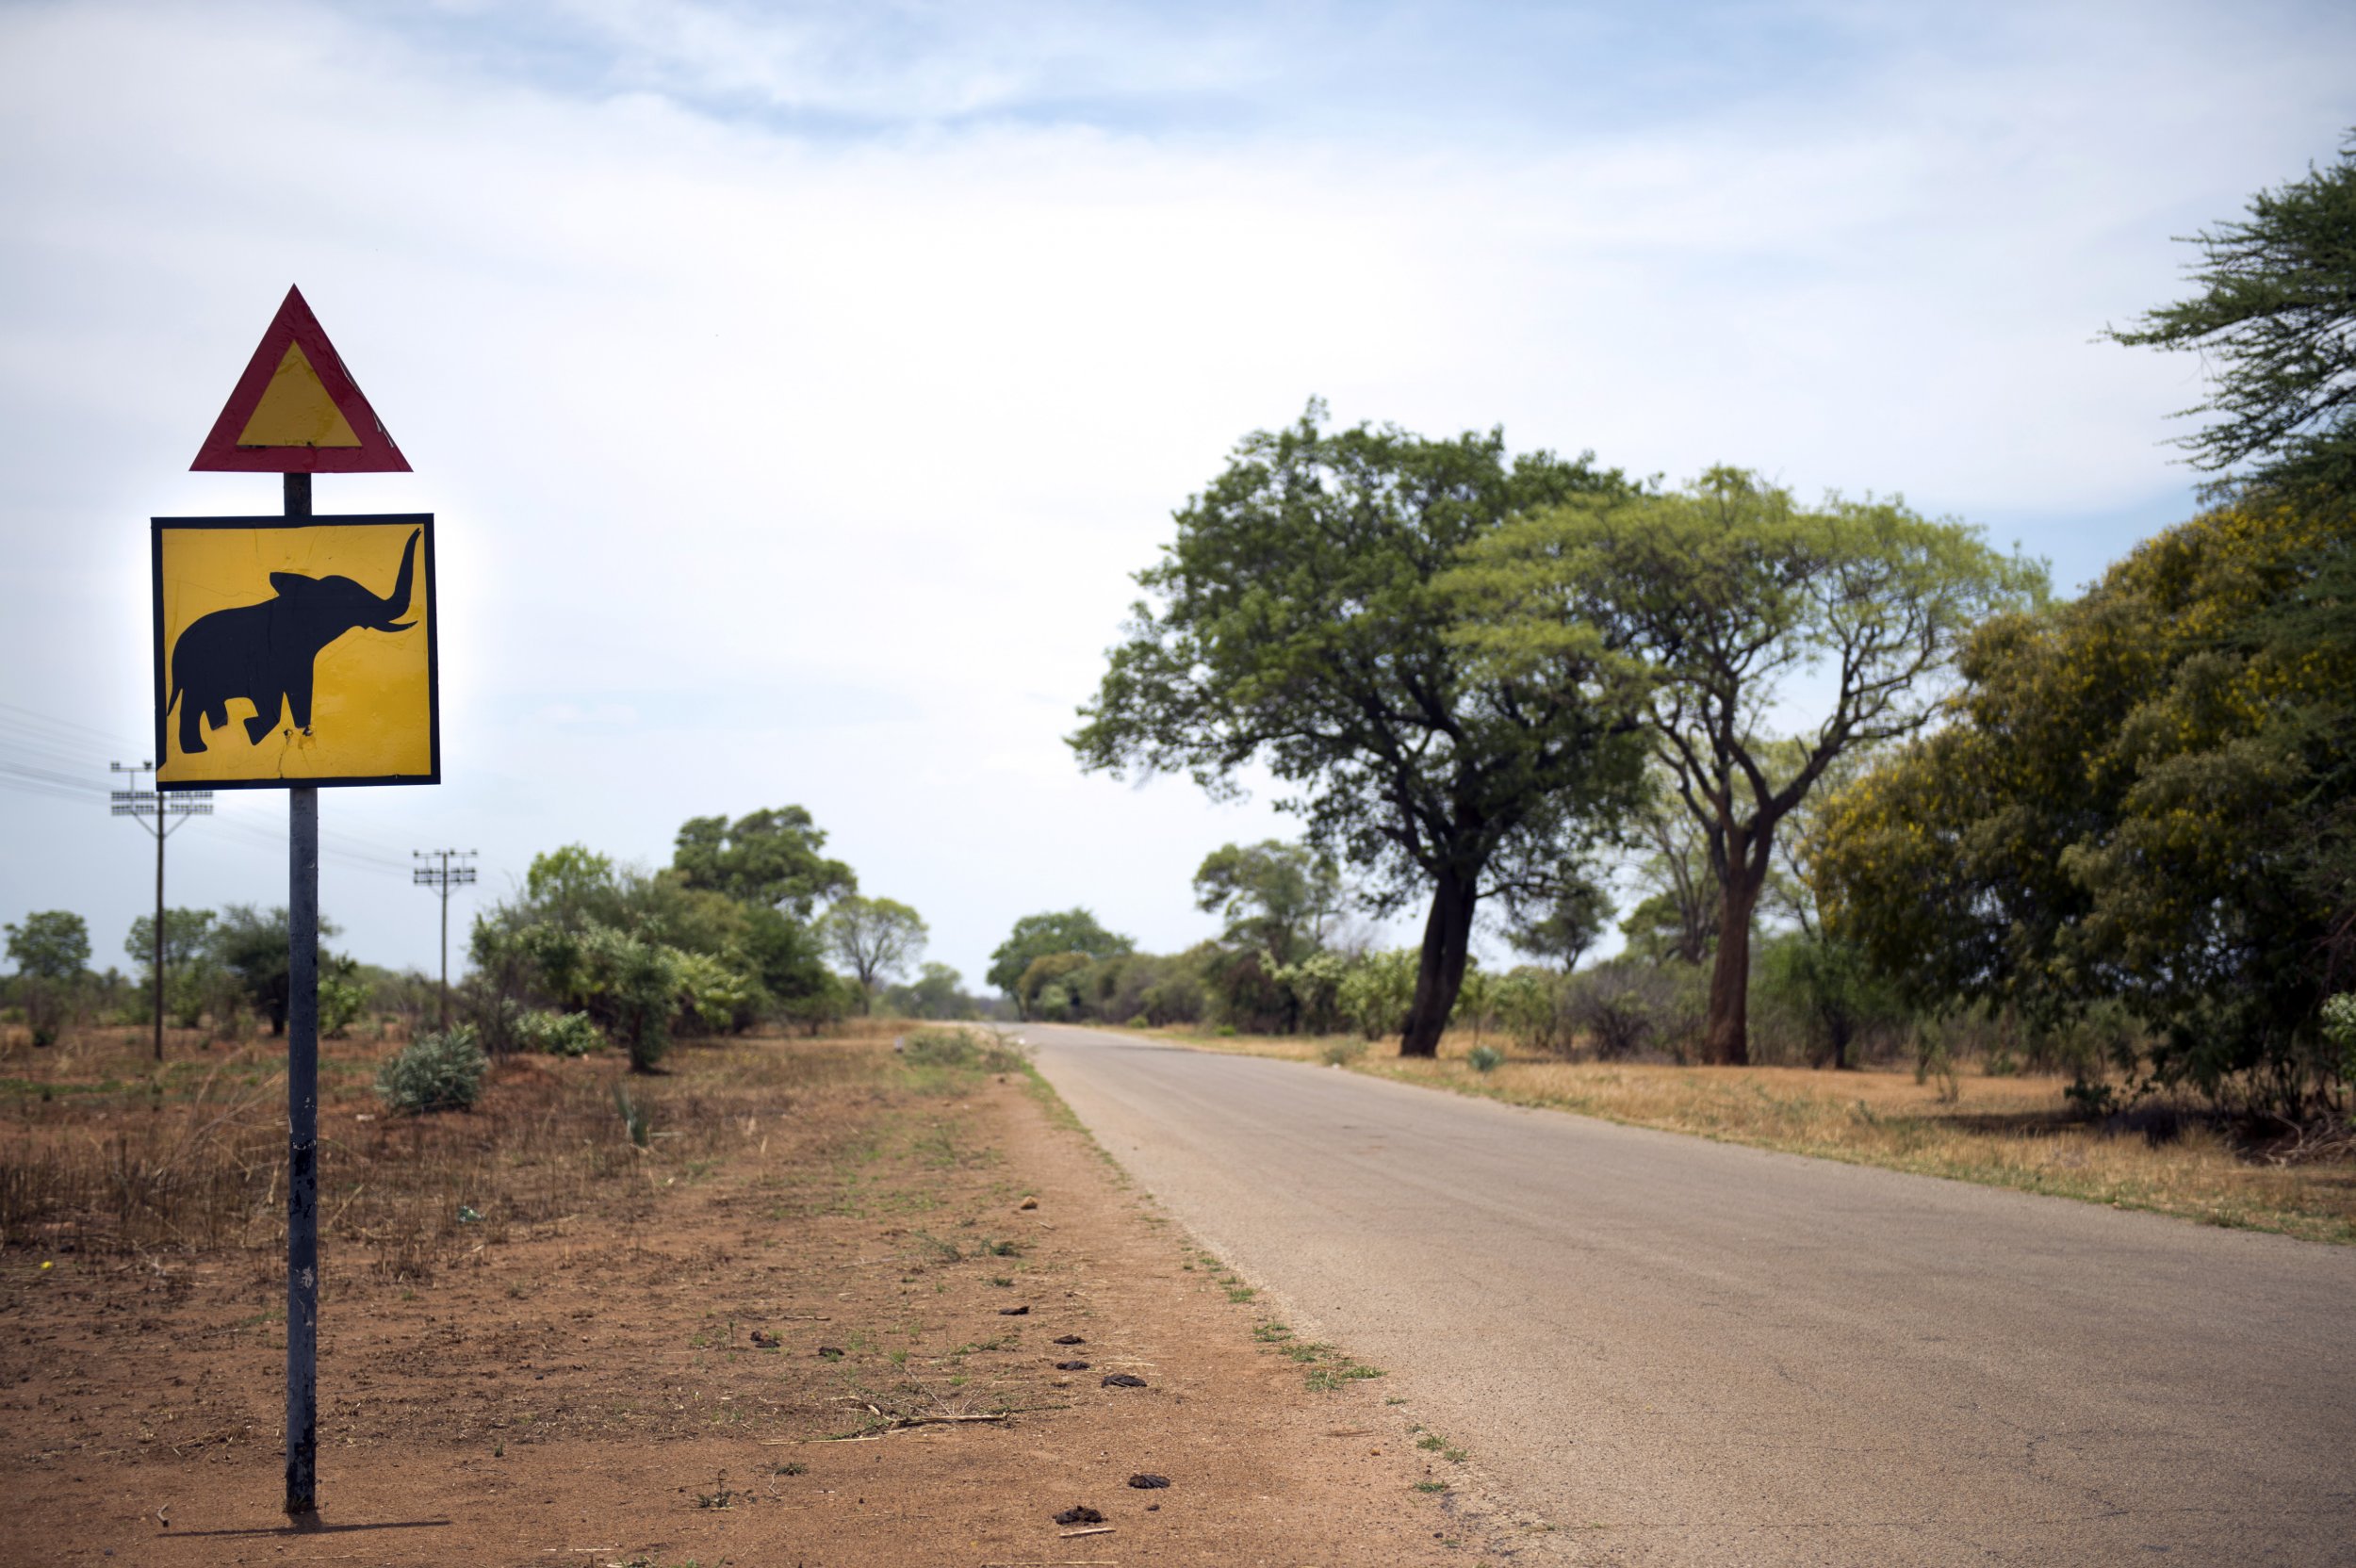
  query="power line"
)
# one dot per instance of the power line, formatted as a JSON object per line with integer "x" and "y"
{"x": 41, "y": 754}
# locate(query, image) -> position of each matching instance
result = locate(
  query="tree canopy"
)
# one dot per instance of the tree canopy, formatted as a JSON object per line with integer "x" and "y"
{"x": 251, "y": 943}
{"x": 52, "y": 944}
{"x": 2146, "y": 796}
{"x": 187, "y": 935}
{"x": 2275, "y": 324}
{"x": 1037, "y": 936}
{"x": 1292, "y": 623}
{"x": 1707, "y": 606}
{"x": 1278, "y": 898}
{"x": 1562, "y": 926}
{"x": 770, "y": 857}
{"x": 876, "y": 936}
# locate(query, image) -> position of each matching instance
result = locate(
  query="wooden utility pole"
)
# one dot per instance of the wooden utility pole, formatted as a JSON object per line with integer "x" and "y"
{"x": 443, "y": 877}
{"x": 141, "y": 805}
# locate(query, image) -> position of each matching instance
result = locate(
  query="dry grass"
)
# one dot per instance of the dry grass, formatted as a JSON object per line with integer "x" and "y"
{"x": 2012, "y": 1132}
{"x": 102, "y": 1152}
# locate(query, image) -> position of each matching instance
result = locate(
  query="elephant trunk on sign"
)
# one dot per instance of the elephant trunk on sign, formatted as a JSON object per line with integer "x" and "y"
{"x": 397, "y": 600}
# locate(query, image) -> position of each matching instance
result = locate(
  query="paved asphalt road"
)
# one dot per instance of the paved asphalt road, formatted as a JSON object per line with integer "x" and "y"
{"x": 1686, "y": 1352}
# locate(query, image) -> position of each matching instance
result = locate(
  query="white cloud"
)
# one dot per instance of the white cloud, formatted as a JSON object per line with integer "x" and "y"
{"x": 788, "y": 463}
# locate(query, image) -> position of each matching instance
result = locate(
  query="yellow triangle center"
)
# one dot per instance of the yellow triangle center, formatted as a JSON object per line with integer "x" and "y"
{"x": 296, "y": 411}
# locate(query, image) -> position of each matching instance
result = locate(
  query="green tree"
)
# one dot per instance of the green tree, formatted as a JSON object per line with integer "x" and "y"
{"x": 788, "y": 957}
{"x": 1832, "y": 988}
{"x": 938, "y": 991}
{"x": 52, "y": 944}
{"x": 769, "y": 858}
{"x": 1298, "y": 627}
{"x": 1714, "y": 598}
{"x": 1562, "y": 927}
{"x": 2275, "y": 325}
{"x": 1278, "y": 898}
{"x": 1675, "y": 916}
{"x": 253, "y": 946}
{"x": 1045, "y": 988}
{"x": 876, "y": 936}
{"x": 1039, "y": 935}
{"x": 187, "y": 934}
{"x": 574, "y": 887}
{"x": 756, "y": 959}
{"x": 2144, "y": 797}
{"x": 50, "y": 951}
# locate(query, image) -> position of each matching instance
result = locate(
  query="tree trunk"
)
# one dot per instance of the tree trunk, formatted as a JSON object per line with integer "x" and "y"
{"x": 1440, "y": 975}
{"x": 1726, "y": 1035}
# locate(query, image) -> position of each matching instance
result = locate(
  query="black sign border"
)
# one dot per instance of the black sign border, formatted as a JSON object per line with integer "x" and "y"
{"x": 422, "y": 521}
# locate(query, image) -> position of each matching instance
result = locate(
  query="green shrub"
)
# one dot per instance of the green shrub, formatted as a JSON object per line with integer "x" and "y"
{"x": 1342, "y": 1052}
{"x": 441, "y": 1071}
{"x": 1485, "y": 1058}
{"x": 1376, "y": 992}
{"x": 558, "y": 1034}
{"x": 2339, "y": 1027}
{"x": 1625, "y": 1006}
{"x": 638, "y": 983}
{"x": 341, "y": 1003}
{"x": 1528, "y": 1003}
{"x": 970, "y": 1049}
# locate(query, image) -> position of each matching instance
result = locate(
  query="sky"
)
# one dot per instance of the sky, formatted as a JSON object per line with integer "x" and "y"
{"x": 796, "y": 387}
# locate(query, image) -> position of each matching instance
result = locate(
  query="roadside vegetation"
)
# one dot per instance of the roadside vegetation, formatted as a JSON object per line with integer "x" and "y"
{"x": 1856, "y": 790}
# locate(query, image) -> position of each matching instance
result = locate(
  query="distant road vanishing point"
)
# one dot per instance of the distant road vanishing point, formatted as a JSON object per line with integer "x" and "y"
{"x": 1684, "y": 1352}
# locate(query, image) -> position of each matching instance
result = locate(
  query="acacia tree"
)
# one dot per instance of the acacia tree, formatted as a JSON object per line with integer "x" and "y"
{"x": 876, "y": 936}
{"x": 1679, "y": 916}
{"x": 1717, "y": 597}
{"x": 2276, "y": 325}
{"x": 1293, "y": 623}
{"x": 1277, "y": 897}
{"x": 1562, "y": 925}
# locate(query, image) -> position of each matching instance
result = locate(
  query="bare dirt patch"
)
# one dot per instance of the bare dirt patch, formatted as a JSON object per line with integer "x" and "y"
{"x": 816, "y": 1319}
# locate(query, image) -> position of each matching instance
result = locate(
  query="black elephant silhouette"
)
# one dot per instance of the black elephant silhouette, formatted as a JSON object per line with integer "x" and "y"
{"x": 264, "y": 652}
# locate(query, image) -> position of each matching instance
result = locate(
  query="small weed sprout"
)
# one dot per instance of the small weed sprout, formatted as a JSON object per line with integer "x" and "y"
{"x": 635, "y": 1118}
{"x": 1485, "y": 1058}
{"x": 439, "y": 1071}
{"x": 1342, "y": 1052}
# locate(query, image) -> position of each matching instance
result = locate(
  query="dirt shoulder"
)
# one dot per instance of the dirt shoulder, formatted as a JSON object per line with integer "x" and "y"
{"x": 827, "y": 1331}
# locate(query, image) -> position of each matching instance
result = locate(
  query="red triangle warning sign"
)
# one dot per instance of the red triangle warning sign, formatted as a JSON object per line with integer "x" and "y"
{"x": 297, "y": 411}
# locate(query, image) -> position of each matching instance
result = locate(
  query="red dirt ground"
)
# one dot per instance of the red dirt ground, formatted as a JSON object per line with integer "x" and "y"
{"x": 588, "y": 1388}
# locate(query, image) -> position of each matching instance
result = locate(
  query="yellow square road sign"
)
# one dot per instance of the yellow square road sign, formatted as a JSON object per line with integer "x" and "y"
{"x": 295, "y": 650}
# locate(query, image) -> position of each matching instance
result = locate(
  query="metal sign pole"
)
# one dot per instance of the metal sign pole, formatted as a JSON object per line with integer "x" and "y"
{"x": 296, "y": 412}
{"x": 303, "y": 1123}
{"x": 160, "y": 821}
